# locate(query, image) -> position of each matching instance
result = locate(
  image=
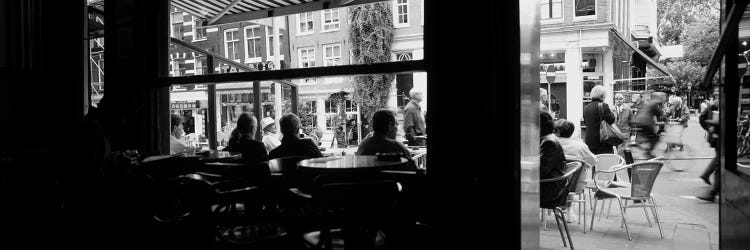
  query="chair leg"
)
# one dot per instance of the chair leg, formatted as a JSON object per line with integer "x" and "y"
{"x": 544, "y": 219}
{"x": 645, "y": 212}
{"x": 601, "y": 212}
{"x": 584, "y": 214}
{"x": 593, "y": 213}
{"x": 566, "y": 228}
{"x": 557, "y": 220}
{"x": 622, "y": 211}
{"x": 608, "y": 208}
{"x": 656, "y": 216}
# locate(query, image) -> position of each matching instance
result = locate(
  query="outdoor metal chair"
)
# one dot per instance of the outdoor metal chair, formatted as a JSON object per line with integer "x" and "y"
{"x": 554, "y": 194}
{"x": 605, "y": 162}
{"x": 578, "y": 190}
{"x": 643, "y": 177}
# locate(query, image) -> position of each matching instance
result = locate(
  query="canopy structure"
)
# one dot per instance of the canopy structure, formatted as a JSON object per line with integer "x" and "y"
{"x": 648, "y": 59}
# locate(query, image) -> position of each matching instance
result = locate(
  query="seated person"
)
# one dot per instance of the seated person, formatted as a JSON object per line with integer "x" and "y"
{"x": 176, "y": 142}
{"x": 270, "y": 140}
{"x": 573, "y": 148}
{"x": 552, "y": 156}
{"x": 291, "y": 144}
{"x": 383, "y": 139}
{"x": 242, "y": 140}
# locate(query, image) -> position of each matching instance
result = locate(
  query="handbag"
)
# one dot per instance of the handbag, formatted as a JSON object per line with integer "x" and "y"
{"x": 609, "y": 133}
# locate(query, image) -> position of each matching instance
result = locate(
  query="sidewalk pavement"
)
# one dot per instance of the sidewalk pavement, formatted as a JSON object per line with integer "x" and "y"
{"x": 680, "y": 231}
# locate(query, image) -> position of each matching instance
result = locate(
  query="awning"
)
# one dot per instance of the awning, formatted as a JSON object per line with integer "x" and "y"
{"x": 643, "y": 55}
{"x": 212, "y": 10}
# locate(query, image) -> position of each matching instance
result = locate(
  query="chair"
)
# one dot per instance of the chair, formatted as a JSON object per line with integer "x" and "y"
{"x": 605, "y": 161}
{"x": 578, "y": 190}
{"x": 554, "y": 194}
{"x": 644, "y": 175}
{"x": 364, "y": 208}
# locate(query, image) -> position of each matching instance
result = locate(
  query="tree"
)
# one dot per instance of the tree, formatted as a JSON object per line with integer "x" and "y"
{"x": 370, "y": 37}
{"x": 673, "y": 16}
{"x": 700, "y": 39}
{"x": 338, "y": 99}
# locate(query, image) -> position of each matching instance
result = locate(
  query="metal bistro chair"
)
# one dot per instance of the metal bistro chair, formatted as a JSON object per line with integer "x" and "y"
{"x": 578, "y": 191}
{"x": 605, "y": 162}
{"x": 644, "y": 176}
{"x": 554, "y": 194}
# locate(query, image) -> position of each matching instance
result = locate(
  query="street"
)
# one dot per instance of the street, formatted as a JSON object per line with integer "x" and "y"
{"x": 687, "y": 223}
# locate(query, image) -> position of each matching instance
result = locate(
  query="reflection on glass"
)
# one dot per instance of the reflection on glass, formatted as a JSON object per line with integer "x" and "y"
{"x": 192, "y": 105}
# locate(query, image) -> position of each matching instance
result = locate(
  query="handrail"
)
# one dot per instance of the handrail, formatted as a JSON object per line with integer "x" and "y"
{"x": 735, "y": 15}
{"x": 217, "y": 56}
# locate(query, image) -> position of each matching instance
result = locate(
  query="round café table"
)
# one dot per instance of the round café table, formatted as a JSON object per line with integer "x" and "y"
{"x": 348, "y": 163}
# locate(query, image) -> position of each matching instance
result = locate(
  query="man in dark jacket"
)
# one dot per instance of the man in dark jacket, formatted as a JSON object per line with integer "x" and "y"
{"x": 552, "y": 156}
{"x": 291, "y": 144}
{"x": 414, "y": 125}
{"x": 711, "y": 125}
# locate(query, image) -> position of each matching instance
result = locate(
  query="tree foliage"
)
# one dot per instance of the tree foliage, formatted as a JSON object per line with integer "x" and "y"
{"x": 673, "y": 16}
{"x": 370, "y": 38}
{"x": 700, "y": 39}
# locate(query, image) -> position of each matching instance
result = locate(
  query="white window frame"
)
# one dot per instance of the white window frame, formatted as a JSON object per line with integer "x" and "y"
{"x": 396, "y": 14}
{"x": 195, "y": 31}
{"x": 269, "y": 40}
{"x": 308, "y": 18}
{"x": 552, "y": 19}
{"x": 589, "y": 17}
{"x": 332, "y": 57}
{"x": 310, "y": 57}
{"x": 333, "y": 25}
{"x": 226, "y": 43}
{"x": 256, "y": 37}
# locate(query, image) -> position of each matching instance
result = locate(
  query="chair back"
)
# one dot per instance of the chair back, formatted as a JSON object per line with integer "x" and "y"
{"x": 644, "y": 176}
{"x": 554, "y": 192}
{"x": 287, "y": 166}
{"x": 606, "y": 162}
{"x": 580, "y": 182}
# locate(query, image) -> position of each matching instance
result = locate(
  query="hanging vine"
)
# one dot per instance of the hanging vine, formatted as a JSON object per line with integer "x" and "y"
{"x": 371, "y": 37}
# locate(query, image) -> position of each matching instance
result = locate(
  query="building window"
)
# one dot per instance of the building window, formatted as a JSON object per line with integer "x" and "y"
{"x": 404, "y": 56}
{"x": 330, "y": 20}
{"x": 199, "y": 30}
{"x": 176, "y": 27}
{"x": 269, "y": 43}
{"x": 551, "y": 9}
{"x": 332, "y": 55}
{"x": 402, "y": 13}
{"x": 307, "y": 57}
{"x": 305, "y": 23}
{"x": 252, "y": 44}
{"x": 232, "y": 44}
{"x": 585, "y": 7}
{"x": 200, "y": 64}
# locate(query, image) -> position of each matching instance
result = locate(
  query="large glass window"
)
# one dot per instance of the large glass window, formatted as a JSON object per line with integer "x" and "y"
{"x": 307, "y": 57}
{"x": 331, "y": 20}
{"x": 401, "y": 13}
{"x": 305, "y": 23}
{"x": 232, "y": 44}
{"x": 585, "y": 8}
{"x": 332, "y": 55}
{"x": 252, "y": 44}
{"x": 551, "y": 9}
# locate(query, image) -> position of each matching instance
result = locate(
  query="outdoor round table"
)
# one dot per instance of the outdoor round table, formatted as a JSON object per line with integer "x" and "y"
{"x": 348, "y": 163}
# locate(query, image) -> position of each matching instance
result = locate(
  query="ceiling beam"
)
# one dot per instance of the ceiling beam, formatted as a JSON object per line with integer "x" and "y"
{"x": 222, "y": 12}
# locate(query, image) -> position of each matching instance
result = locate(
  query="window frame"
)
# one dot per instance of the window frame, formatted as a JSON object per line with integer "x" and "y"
{"x": 323, "y": 20}
{"x": 269, "y": 41}
{"x": 299, "y": 57}
{"x": 246, "y": 38}
{"x": 308, "y": 18}
{"x": 226, "y": 42}
{"x": 552, "y": 19}
{"x": 195, "y": 31}
{"x": 396, "y": 14}
{"x": 577, "y": 18}
{"x": 333, "y": 51}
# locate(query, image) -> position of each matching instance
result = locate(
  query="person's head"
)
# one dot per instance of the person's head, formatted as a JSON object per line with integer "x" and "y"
{"x": 676, "y": 101}
{"x": 176, "y": 125}
{"x": 289, "y": 125}
{"x": 618, "y": 99}
{"x": 598, "y": 92}
{"x": 268, "y": 125}
{"x": 658, "y": 97}
{"x": 636, "y": 97}
{"x": 246, "y": 124}
{"x": 546, "y": 124}
{"x": 564, "y": 128}
{"x": 542, "y": 95}
{"x": 416, "y": 95}
{"x": 384, "y": 123}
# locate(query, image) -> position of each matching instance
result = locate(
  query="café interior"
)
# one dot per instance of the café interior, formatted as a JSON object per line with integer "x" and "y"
{"x": 480, "y": 190}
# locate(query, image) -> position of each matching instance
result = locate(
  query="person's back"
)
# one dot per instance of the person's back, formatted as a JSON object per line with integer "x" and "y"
{"x": 373, "y": 145}
{"x": 291, "y": 144}
{"x": 383, "y": 140}
{"x": 573, "y": 148}
{"x": 252, "y": 150}
{"x": 552, "y": 156}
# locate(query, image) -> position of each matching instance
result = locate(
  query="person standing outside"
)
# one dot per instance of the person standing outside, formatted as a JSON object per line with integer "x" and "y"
{"x": 679, "y": 113}
{"x": 593, "y": 114}
{"x": 711, "y": 125}
{"x": 623, "y": 116}
{"x": 414, "y": 125}
{"x": 543, "y": 100}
